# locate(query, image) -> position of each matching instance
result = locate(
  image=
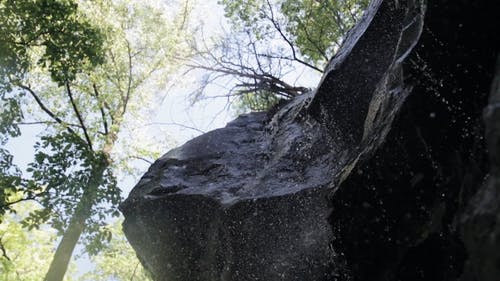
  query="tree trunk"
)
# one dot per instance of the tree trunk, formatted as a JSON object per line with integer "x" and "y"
{"x": 65, "y": 249}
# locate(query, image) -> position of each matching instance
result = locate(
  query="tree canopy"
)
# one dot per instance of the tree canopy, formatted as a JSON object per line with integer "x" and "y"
{"x": 38, "y": 34}
{"x": 65, "y": 40}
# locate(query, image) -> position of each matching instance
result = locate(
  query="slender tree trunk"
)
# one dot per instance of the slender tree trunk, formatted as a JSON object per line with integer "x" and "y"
{"x": 76, "y": 226}
{"x": 64, "y": 251}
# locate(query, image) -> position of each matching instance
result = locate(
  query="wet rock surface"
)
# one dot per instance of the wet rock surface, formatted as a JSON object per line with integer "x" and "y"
{"x": 380, "y": 174}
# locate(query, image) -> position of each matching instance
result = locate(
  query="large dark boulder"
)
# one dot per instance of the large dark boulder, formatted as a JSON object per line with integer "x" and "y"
{"x": 408, "y": 212}
{"x": 373, "y": 176}
{"x": 480, "y": 223}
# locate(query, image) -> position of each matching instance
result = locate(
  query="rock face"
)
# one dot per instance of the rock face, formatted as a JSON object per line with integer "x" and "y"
{"x": 418, "y": 209}
{"x": 480, "y": 223}
{"x": 374, "y": 176}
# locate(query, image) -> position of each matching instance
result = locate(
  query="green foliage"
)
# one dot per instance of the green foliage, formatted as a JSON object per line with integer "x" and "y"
{"x": 65, "y": 44}
{"x": 318, "y": 27}
{"x": 244, "y": 13}
{"x": 25, "y": 256}
{"x": 10, "y": 113}
{"x": 68, "y": 41}
{"x": 63, "y": 168}
{"x": 89, "y": 112}
{"x": 260, "y": 101}
{"x": 9, "y": 181}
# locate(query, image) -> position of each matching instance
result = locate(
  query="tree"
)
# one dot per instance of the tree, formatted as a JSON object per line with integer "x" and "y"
{"x": 85, "y": 85}
{"x": 271, "y": 41}
{"x": 30, "y": 27}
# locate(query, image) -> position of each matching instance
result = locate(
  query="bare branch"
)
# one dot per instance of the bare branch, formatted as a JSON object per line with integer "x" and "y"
{"x": 176, "y": 124}
{"x": 141, "y": 158}
{"x": 135, "y": 270}
{"x": 51, "y": 123}
{"x": 261, "y": 82}
{"x": 249, "y": 70}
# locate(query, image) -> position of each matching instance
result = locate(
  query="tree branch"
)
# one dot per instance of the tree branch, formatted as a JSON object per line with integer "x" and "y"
{"x": 4, "y": 251}
{"x": 52, "y": 123}
{"x": 129, "y": 85}
{"x": 261, "y": 81}
{"x": 176, "y": 124}
{"x": 103, "y": 114}
{"x": 79, "y": 116}
{"x": 141, "y": 158}
{"x": 44, "y": 123}
{"x": 318, "y": 49}
{"x": 117, "y": 81}
{"x": 292, "y": 47}
{"x": 46, "y": 109}
{"x": 185, "y": 14}
{"x": 30, "y": 198}
{"x": 135, "y": 270}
